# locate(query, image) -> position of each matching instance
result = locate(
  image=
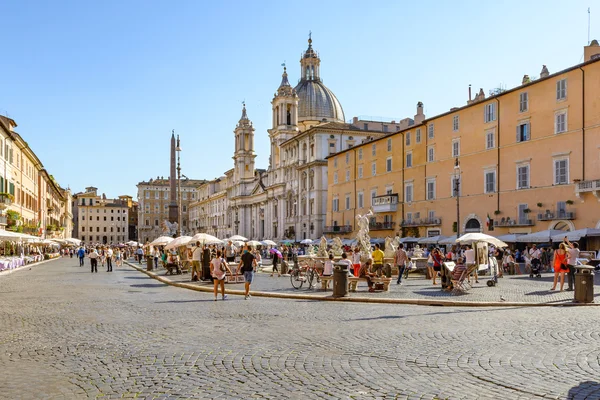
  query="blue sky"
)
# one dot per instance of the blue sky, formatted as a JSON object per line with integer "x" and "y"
{"x": 96, "y": 87}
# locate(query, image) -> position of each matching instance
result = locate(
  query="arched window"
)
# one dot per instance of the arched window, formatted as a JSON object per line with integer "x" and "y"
{"x": 277, "y": 114}
{"x": 289, "y": 115}
{"x": 473, "y": 225}
{"x": 304, "y": 176}
{"x": 304, "y": 151}
{"x": 311, "y": 182}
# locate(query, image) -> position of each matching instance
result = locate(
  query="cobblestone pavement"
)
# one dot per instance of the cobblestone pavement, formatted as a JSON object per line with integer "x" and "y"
{"x": 510, "y": 288}
{"x": 66, "y": 333}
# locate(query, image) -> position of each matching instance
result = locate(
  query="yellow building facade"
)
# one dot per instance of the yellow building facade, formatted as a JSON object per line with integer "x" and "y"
{"x": 526, "y": 158}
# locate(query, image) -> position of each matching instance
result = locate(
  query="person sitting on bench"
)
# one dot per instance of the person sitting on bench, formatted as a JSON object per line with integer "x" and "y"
{"x": 365, "y": 272}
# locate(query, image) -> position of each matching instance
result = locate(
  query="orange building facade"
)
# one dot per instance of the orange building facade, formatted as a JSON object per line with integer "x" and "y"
{"x": 523, "y": 160}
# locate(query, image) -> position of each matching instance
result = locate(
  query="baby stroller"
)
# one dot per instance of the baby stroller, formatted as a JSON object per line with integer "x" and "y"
{"x": 536, "y": 267}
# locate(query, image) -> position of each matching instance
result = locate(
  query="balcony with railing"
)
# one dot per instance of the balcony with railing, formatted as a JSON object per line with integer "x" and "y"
{"x": 555, "y": 215}
{"x": 592, "y": 186}
{"x": 421, "y": 222}
{"x": 338, "y": 229}
{"x": 385, "y": 203}
{"x": 382, "y": 226}
{"x": 508, "y": 222}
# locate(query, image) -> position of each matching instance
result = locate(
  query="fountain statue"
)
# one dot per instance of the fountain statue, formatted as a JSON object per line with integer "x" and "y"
{"x": 390, "y": 247}
{"x": 363, "y": 238}
{"x": 417, "y": 252}
{"x": 311, "y": 251}
{"x": 322, "y": 248}
{"x": 336, "y": 247}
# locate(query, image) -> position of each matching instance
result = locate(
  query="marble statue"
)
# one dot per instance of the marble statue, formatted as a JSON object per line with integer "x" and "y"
{"x": 168, "y": 228}
{"x": 390, "y": 247}
{"x": 311, "y": 251}
{"x": 363, "y": 238}
{"x": 322, "y": 248}
{"x": 336, "y": 247}
{"x": 417, "y": 252}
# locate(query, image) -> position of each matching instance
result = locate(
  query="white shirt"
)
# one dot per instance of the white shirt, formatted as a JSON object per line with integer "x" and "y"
{"x": 197, "y": 254}
{"x": 328, "y": 268}
{"x": 109, "y": 253}
{"x": 356, "y": 258}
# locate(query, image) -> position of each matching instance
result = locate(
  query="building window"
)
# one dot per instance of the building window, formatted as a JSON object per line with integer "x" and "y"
{"x": 430, "y": 130}
{"x": 156, "y": 194}
{"x": 389, "y": 144}
{"x": 430, "y": 189}
{"x": 373, "y": 195}
{"x": 418, "y": 135}
{"x": 409, "y": 160}
{"x": 347, "y": 176}
{"x": 490, "y": 140}
{"x": 373, "y": 149}
{"x": 523, "y": 177}
{"x": 347, "y": 202}
{"x": 366, "y": 126}
{"x": 561, "y": 171}
{"x": 360, "y": 199}
{"x": 523, "y": 132}
{"x": 335, "y": 162}
{"x": 166, "y": 195}
{"x": 430, "y": 154}
{"x": 335, "y": 205}
{"x": 490, "y": 181}
{"x": 408, "y": 192}
{"x": 83, "y": 229}
{"x": 360, "y": 171}
{"x": 561, "y": 89}
{"x": 360, "y": 154}
{"x": 147, "y": 193}
{"x": 489, "y": 111}
{"x": 453, "y": 185}
{"x": 560, "y": 124}
{"x": 455, "y": 148}
{"x": 347, "y": 157}
{"x": 385, "y": 128}
{"x": 523, "y": 102}
{"x": 373, "y": 169}
{"x": 407, "y": 138}
{"x": 311, "y": 179}
{"x": 388, "y": 164}
{"x": 335, "y": 177}
{"x": 455, "y": 123}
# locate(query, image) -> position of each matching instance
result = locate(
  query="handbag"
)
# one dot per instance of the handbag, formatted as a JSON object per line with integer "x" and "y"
{"x": 223, "y": 265}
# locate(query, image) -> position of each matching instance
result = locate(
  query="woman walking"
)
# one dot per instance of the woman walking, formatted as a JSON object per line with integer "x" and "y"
{"x": 560, "y": 266}
{"x": 275, "y": 262}
{"x": 437, "y": 258}
{"x": 218, "y": 268}
{"x": 118, "y": 257}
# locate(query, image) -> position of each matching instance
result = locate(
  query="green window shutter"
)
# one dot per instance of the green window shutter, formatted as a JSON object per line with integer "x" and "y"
{"x": 12, "y": 189}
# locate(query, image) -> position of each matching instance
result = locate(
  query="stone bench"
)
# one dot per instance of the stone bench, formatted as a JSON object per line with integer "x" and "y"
{"x": 353, "y": 282}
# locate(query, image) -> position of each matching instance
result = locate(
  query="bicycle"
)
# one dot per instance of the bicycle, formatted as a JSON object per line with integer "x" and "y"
{"x": 297, "y": 277}
{"x": 304, "y": 273}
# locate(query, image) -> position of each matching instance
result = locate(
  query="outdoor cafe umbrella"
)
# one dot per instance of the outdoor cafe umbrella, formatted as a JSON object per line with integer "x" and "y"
{"x": 540, "y": 237}
{"x": 480, "y": 237}
{"x": 306, "y": 241}
{"x": 254, "y": 243}
{"x": 275, "y": 251}
{"x": 269, "y": 243}
{"x": 431, "y": 240}
{"x": 235, "y": 238}
{"x": 448, "y": 240}
{"x": 161, "y": 241}
{"x": 573, "y": 236}
{"x": 510, "y": 238}
{"x": 206, "y": 238}
{"x": 180, "y": 241}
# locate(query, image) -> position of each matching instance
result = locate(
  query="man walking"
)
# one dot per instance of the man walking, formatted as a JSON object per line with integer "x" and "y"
{"x": 377, "y": 260}
{"x": 81, "y": 255}
{"x": 572, "y": 256}
{"x": 109, "y": 255}
{"x": 247, "y": 264}
{"x": 140, "y": 254}
{"x": 230, "y": 252}
{"x": 94, "y": 260}
{"x": 400, "y": 259}
{"x": 196, "y": 257}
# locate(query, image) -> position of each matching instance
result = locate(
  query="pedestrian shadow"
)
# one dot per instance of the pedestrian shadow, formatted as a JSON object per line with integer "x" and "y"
{"x": 184, "y": 301}
{"x": 149, "y": 285}
{"x": 585, "y": 390}
{"x": 380, "y": 317}
{"x": 136, "y": 277}
{"x": 542, "y": 293}
{"x": 441, "y": 293}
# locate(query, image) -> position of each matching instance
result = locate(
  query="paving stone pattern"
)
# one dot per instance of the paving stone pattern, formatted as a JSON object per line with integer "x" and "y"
{"x": 68, "y": 334}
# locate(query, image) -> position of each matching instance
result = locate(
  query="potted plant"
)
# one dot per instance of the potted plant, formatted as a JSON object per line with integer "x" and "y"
{"x": 527, "y": 211}
{"x": 569, "y": 202}
{"x": 540, "y": 205}
{"x": 497, "y": 212}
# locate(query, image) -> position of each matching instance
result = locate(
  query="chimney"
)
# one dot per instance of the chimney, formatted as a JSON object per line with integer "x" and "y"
{"x": 544, "y": 72}
{"x": 419, "y": 116}
{"x": 469, "y": 94}
{"x": 354, "y": 120}
{"x": 592, "y": 51}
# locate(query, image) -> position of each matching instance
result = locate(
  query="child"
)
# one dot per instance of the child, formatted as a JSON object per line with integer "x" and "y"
{"x": 328, "y": 268}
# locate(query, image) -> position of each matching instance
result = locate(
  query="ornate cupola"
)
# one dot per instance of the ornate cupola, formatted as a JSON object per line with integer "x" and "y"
{"x": 244, "y": 148}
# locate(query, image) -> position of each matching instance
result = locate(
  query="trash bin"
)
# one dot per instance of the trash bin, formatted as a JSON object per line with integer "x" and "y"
{"x": 387, "y": 270}
{"x": 340, "y": 280}
{"x": 149, "y": 263}
{"x": 584, "y": 284}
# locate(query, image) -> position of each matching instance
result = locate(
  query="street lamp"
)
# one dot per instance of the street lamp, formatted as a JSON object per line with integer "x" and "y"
{"x": 178, "y": 150}
{"x": 457, "y": 192}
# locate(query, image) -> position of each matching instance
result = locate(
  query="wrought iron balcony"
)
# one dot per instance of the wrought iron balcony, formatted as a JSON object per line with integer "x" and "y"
{"x": 592, "y": 186}
{"x": 338, "y": 229}
{"x": 385, "y": 203}
{"x": 551, "y": 216}
{"x": 380, "y": 226}
{"x": 514, "y": 222}
{"x": 422, "y": 222}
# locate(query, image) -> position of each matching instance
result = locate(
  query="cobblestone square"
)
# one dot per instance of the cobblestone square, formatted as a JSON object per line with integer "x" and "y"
{"x": 68, "y": 334}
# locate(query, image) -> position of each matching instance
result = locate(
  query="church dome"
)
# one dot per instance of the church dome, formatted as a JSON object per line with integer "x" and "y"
{"x": 315, "y": 101}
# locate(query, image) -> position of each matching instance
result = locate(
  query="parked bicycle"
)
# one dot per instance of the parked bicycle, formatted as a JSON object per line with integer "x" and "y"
{"x": 305, "y": 272}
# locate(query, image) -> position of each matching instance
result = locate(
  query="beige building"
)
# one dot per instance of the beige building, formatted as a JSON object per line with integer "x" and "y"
{"x": 528, "y": 157}
{"x": 153, "y": 206}
{"x": 209, "y": 212}
{"x": 36, "y": 203}
{"x": 100, "y": 220}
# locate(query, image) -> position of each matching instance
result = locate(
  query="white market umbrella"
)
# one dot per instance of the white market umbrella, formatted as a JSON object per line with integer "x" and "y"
{"x": 510, "y": 238}
{"x": 448, "y": 240}
{"x": 237, "y": 238}
{"x": 74, "y": 241}
{"x": 254, "y": 243}
{"x": 573, "y": 236}
{"x": 306, "y": 241}
{"x": 204, "y": 237}
{"x": 431, "y": 240}
{"x": 269, "y": 242}
{"x": 480, "y": 237}
{"x": 161, "y": 241}
{"x": 541, "y": 237}
{"x": 238, "y": 243}
{"x": 180, "y": 241}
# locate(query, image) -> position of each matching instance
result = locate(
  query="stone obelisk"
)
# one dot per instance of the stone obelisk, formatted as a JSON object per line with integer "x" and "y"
{"x": 173, "y": 208}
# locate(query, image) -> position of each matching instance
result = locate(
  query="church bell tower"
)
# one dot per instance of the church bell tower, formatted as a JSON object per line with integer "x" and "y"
{"x": 285, "y": 117}
{"x": 244, "y": 149}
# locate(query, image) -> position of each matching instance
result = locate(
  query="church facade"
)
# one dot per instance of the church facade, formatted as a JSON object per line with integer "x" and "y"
{"x": 287, "y": 200}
